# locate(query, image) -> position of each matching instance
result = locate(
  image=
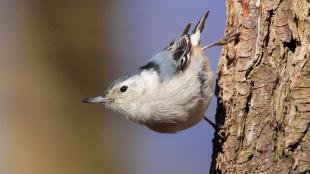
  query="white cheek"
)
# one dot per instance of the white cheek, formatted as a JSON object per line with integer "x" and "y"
{"x": 148, "y": 81}
{"x": 140, "y": 89}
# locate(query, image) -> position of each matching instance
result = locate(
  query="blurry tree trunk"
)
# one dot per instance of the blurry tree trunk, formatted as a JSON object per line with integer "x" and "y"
{"x": 264, "y": 89}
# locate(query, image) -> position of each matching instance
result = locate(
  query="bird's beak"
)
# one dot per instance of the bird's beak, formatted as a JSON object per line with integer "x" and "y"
{"x": 98, "y": 99}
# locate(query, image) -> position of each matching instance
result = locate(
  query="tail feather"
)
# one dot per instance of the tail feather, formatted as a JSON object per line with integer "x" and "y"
{"x": 186, "y": 29}
{"x": 195, "y": 36}
{"x": 200, "y": 25}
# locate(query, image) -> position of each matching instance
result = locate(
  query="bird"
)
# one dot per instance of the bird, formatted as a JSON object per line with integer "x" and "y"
{"x": 171, "y": 92}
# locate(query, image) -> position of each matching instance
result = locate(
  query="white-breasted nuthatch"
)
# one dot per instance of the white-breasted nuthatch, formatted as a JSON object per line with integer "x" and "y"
{"x": 171, "y": 92}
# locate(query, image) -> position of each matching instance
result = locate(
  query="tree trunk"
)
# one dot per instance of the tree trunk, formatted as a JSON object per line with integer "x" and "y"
{"x": 264, "y": 89}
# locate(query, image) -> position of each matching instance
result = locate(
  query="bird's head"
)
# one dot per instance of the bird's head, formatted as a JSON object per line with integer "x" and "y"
{"x": 128, "y": 92}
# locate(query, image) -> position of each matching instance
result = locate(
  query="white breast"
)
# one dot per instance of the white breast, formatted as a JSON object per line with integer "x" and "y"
{"x": 176, "y": 104}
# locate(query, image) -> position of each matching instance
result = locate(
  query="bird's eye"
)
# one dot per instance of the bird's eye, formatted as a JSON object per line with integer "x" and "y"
{"x": 124, "y": 88}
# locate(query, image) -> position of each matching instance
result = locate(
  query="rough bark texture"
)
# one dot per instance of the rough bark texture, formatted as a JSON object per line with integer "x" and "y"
{"x": 264, "y": 89}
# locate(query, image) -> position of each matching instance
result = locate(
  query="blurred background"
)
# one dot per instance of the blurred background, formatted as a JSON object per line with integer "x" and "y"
{"x": 53, "y": 53}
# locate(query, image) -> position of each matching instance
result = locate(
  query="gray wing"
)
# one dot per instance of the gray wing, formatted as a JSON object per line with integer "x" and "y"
{"x": 163, "y": 64}
{"x": 171, "y": 61}
{"x": 175, "y": 57}
{"x": 180, "y": 51}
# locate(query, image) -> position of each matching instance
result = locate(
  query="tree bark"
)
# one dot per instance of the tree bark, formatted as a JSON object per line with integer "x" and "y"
{"x": 263, "y": 89}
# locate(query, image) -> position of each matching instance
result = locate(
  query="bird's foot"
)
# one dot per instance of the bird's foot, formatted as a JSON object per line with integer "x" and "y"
{"x": 230, "y": 36}
{"x": 217, "y": 129}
